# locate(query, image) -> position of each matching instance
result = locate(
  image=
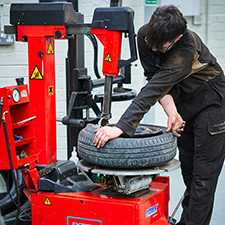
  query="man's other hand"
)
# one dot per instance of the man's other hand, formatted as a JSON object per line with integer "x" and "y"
{"x": 175, "y": 124}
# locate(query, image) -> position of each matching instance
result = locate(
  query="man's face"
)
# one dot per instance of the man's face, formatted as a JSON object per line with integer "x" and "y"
{"x": 166, "y": 47}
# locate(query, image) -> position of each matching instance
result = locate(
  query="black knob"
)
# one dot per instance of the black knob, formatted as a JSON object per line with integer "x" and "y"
{"x": 19, "y": 81}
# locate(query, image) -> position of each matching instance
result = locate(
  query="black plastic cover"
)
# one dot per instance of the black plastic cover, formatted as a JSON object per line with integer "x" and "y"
{"x": 49, "y": 13}
{"x": 113, "y": 18}
{"x": 75, "y": 3}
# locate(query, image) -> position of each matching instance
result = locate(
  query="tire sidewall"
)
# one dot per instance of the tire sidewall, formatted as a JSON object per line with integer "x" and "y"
{"x": 127, "y": 152}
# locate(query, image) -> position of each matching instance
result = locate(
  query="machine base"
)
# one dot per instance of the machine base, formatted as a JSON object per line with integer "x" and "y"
{"x": 103, "y": 206}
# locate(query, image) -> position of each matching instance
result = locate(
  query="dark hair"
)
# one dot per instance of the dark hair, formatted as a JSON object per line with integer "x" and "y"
{"x": 166, "y": 24}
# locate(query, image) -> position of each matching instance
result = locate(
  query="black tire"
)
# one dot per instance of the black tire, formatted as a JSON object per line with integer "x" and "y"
{"x": 9, "y": 198}
{"x": 127, "y": 152}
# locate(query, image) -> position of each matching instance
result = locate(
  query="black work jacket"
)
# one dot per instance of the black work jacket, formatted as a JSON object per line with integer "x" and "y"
{"x": 188, "y": 71}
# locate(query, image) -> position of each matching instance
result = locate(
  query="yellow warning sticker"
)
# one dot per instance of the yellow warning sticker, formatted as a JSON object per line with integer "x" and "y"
{"x": 108, "y": 58}
{"x": 47, "y": 202}
{"x": 50, "y": 49}
{"x": 36, "y": 74}
{"x": 50, "y": 90}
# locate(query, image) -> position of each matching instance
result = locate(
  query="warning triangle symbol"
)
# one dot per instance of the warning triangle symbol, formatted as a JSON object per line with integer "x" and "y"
{"x": 50, "y": 49}
{"x": 108, "y": 58}
{"x": 47, "y": 202}
{"x": 36, "y": 74}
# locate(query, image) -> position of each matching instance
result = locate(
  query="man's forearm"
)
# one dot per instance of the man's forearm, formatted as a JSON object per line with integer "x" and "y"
{"x": 168, "y": 105}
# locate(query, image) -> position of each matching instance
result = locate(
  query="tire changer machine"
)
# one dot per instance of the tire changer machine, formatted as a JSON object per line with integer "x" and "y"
{"x": 58, "y": 191}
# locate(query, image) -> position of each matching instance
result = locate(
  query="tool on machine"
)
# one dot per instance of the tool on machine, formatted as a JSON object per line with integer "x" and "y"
{"x": 58, "y": 193}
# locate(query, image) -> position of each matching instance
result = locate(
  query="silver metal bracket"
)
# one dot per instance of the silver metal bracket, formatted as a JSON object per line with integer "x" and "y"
{"x": 128, "y": 181}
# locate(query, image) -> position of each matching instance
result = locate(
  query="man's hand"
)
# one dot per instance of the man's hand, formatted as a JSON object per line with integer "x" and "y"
{"x": 175, "y": 124}
{"x": 103, "y": 134}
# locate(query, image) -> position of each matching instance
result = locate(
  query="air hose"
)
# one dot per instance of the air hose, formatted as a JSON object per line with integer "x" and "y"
{"x": 11, "y": 164}
{"x": 95, "y": 46}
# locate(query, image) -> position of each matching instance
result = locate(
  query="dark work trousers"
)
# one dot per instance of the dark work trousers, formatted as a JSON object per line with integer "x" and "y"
{"x": 202, "y": 151}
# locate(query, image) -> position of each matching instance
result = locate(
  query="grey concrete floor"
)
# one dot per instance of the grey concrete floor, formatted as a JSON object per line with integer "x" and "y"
{"x": 177, "y": 189}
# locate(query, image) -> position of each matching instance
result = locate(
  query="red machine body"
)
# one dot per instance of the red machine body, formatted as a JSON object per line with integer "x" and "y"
{"x": 111, "y": 41}
{"x": 102, "y": 207}
{"x": 18, "y": 114}
{"x": 19, "y": 121}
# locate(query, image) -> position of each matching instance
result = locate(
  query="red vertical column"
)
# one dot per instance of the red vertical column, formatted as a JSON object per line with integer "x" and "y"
{"x": 41, "y": 57}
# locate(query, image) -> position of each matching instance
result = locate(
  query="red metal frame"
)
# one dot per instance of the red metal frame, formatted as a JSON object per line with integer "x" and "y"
{"x": 96, "y": 207}
{"x": 41, "y": 61}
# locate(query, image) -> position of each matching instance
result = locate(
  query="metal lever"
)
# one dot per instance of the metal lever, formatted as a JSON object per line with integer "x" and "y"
{"x": 67, "y": 120}
{"x": 133, "y": 49}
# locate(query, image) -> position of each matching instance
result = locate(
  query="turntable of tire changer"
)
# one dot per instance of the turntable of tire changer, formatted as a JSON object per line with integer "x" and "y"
{"x": 127, "y": 181}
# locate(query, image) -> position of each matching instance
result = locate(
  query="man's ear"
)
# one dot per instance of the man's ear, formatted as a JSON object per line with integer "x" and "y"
{"x": 179, "y": 37}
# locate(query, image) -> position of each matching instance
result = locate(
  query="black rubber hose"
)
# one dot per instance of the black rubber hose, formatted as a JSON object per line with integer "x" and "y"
{"x": 11, "y": 167}
{"x": 95, "y": 46}
{"x": 1, "y": 106}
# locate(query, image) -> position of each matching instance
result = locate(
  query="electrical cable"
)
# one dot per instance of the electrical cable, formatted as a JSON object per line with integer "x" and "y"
{"x": 11, "y": 166}
{"x": 25, "y": 213}
{"x": 95, "y": 46}
{"x": 7, "y": 184}
{"x": 12, "y": 171}
{"x": 20, "y": 217}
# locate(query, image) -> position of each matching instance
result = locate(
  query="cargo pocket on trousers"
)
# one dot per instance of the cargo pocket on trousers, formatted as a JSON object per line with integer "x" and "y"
{"x": 217, "y": 128}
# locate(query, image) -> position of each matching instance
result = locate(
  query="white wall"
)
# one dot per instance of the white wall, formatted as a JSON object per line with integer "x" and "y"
{"x": 13, "y": 59}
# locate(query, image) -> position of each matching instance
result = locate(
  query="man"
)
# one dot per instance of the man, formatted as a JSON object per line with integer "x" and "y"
{"x": 186, "y": 79}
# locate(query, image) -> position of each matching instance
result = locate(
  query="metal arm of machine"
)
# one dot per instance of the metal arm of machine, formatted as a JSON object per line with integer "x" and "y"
{"x": 108, "y": 28}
